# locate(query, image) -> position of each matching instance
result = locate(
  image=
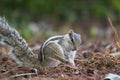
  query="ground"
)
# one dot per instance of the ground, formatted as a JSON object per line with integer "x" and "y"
{"x": 92, "y": 63}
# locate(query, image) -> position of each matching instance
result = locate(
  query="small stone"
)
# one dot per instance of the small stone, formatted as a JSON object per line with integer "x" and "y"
{"x": 77, "y": 72}
{"x": 3, "y": 70}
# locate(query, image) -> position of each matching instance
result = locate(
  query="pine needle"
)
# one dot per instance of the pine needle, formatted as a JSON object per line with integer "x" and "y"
{"x": 115, "y": 33}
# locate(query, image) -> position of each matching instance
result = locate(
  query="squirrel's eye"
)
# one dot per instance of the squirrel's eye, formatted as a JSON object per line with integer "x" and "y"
{"x": 72, "y": 40}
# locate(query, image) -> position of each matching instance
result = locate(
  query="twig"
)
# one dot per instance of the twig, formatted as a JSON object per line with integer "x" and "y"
{"x": 81, "y": 60}
{"x": 116, "y": 54}
{"x": 72, "y": 67}
{"x": 116, "y": 37}
{"x": 114, "y": 30}
{"x": 26, "y": 74}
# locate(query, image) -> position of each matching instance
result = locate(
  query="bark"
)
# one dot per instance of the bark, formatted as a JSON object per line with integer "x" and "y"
{"x": 20, "y": 52}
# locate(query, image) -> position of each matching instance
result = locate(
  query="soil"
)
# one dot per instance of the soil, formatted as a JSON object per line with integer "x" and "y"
{"x": 92, "y": 63}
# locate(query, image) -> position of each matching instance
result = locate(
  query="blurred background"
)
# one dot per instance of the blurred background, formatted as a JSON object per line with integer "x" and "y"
{"x": 39, "y": 19}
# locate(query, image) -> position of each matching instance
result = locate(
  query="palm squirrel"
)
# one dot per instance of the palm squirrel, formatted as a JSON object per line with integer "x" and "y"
{"x": 59, "y": 49}
{"x": 55, "y": 50}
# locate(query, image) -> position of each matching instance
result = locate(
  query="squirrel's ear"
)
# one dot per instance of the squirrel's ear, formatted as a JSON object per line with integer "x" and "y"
{"x": 71, "y": 31}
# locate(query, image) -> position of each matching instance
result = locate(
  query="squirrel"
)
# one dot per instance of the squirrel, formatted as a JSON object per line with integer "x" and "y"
{"x": 59, "y": 49}
{"x": 53, "y": 51}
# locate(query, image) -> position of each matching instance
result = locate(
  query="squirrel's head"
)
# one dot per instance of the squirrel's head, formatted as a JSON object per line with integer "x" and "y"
{"x": 75, "y": 38}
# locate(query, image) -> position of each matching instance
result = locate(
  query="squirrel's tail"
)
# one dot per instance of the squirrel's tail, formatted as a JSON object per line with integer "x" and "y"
{"x": 21, "y": 52}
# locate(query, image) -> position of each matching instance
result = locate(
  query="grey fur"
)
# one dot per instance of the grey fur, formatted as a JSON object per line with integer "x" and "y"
{"x": 59, "y": 49}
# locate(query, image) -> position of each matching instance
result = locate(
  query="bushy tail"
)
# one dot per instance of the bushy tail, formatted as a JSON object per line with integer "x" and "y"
{"x": 21, "y": 52}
